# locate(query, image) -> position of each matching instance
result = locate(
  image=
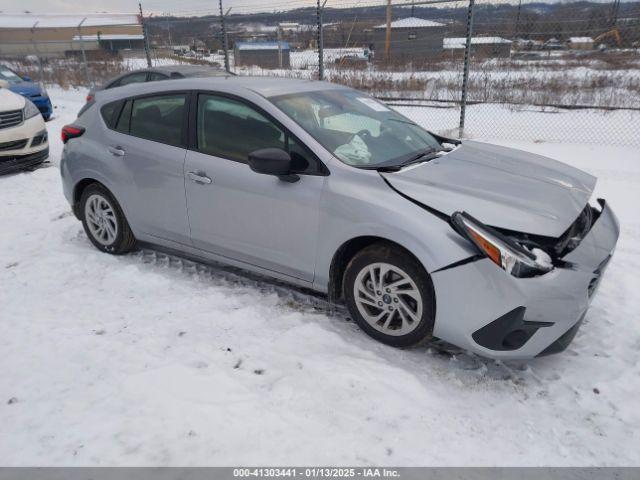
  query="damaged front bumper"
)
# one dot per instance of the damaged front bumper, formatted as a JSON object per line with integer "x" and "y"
{"x": 484, "y": 310}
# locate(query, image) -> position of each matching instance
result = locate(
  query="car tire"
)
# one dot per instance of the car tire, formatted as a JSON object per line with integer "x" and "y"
{"x": 104, "y": 222}
{"x": 397, "y": 309}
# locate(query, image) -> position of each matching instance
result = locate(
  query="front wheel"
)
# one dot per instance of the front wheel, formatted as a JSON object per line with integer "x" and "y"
{"x": 104, "y": 222}
{"x": 390, "y": 295}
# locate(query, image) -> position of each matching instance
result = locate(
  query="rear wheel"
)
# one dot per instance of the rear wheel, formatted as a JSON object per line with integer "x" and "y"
{"x": 103, "y": 221}
{"x": 390, "y": 295}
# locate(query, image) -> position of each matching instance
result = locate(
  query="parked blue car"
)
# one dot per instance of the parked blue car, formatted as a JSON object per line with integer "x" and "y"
{"x": 27, "y": 88}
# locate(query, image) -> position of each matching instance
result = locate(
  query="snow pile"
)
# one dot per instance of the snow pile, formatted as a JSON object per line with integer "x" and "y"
{"x": 150, "y": 360}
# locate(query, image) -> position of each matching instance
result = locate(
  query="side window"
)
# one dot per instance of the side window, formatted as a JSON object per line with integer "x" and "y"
{"x": 109, "y": 112}
{"x": 133, "y": 78}
{"x": 159, "y": 118}
{"x": 154, "y": 76}
{"x": 125, "y": 118}
{"x": 230, "y": 129}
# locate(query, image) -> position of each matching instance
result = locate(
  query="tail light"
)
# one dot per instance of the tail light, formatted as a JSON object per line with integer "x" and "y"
{"x": 89, "y": 98}
{"x": 71, "y": 131}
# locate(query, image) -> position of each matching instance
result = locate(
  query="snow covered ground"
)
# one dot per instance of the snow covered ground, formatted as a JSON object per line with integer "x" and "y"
{"x": 150, "y": 360}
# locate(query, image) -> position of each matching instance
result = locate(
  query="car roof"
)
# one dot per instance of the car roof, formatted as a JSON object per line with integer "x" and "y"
{"x": 264, "y": 86}
{"x": 184, "y": 69}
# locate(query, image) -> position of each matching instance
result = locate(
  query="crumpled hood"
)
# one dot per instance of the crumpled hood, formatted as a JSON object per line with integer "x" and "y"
{"x": 501, "y": 187}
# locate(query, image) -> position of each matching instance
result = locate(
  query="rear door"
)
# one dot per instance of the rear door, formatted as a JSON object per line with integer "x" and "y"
{"x": 233, "y": 211}
{"x": 148, "y": 142}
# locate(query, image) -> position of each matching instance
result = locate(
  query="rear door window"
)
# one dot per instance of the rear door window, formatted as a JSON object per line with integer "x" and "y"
{"x": 159, "y": 118}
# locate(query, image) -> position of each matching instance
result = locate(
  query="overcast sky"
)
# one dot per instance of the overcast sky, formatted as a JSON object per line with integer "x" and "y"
{"x": 197, "y": 7}
{"x": 191, "y": 7}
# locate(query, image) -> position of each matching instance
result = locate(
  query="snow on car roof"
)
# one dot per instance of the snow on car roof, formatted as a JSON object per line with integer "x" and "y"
{"x": 262, "y": 45}
{"x": 581, "y": 40}
{"x": 411, "y": 22}
{"x": 460, "y": 42}
{"x": 28, "y": 20}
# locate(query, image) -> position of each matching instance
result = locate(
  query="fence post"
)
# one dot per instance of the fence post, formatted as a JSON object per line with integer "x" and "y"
{"x": 84, "y": 55}
{"x": 320, "y": 40}
{"x": 465, "y": 73}
{"x": 146, "y": 37}
{"x": 225, "y": 46}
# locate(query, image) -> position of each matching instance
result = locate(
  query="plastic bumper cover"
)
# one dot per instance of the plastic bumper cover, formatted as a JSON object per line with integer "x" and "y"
{"x": 13, "y": 163}
{"x": 545, "y": 309}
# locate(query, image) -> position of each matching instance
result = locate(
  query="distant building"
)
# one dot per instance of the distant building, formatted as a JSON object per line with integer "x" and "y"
{"x": 580, "y": 43}
{"x": 262, "y": 54}
{"x": 51, "y": 35}
{"x": 492, "y": 47}
{"x": 412, "y": 40}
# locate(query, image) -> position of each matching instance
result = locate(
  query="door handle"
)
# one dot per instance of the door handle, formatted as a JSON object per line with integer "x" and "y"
{"x": 199, "y": 177}
{"x": 116, "y": 151}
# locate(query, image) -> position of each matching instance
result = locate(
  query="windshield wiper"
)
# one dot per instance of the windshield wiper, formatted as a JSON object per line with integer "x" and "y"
{"x": 422, "y": 156}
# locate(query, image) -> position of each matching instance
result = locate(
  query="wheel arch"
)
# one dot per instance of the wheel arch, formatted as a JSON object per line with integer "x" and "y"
{"x": 78, "y": 188}
{"x": 345, "y": 253}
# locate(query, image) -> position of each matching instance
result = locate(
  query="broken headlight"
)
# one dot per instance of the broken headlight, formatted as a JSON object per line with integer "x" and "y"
{"x": 509, "y": 255}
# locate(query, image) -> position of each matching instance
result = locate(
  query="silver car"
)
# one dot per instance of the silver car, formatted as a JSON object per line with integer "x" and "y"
{"x": 491, "y": 249}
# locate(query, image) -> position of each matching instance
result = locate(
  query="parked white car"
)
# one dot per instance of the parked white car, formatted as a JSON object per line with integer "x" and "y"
{"x": 23, "y": 136}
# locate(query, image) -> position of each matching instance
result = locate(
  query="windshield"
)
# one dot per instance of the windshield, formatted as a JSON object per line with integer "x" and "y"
{"x": 356, "y": 128}
{"x": 9, "y": 75}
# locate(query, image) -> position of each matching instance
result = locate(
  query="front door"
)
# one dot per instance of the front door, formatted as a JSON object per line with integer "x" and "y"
{"x": 237, "y": 213}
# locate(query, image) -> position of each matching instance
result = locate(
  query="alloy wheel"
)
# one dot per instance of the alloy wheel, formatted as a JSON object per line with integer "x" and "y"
{"x": 388, "y": 299}
{"x": 101, "y": 219}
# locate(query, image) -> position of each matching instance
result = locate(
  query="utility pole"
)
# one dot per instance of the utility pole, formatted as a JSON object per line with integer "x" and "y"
{"x": 225, "y": 45}
{"x": 387, "y": 43}
{"x": 465, "y": 74}
{"x": 84, "y": 55}
{"x": 146, "y": 37}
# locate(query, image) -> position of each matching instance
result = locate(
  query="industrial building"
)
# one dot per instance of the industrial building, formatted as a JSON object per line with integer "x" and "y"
{"x": 262, "y": 54}
{"x": 412, "y": 40}
{"x": 57, "y": 35}
{"x": 490, "y": 47}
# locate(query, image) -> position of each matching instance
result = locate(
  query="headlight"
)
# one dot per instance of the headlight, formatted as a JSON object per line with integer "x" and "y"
{"x": 512, "y": 257}
{"x": 30, "y": 110}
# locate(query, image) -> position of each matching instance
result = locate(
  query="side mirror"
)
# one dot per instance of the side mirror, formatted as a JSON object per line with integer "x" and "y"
{"x": 273, "y": 161}
{"x": 26, "y": 78}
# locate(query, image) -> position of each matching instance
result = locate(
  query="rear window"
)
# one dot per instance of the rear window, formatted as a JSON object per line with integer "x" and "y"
{"x": 110, "y": 112}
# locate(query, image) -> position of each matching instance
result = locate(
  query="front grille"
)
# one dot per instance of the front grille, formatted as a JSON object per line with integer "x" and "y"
{"x": 10, "y": 119}
{"x": 14, "y": 145}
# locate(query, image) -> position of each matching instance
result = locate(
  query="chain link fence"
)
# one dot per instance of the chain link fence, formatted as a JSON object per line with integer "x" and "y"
{"x": 536, "y": 71}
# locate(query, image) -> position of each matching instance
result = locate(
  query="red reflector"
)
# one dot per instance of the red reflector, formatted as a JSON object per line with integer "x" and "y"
{"x": 69, "y": 132}
{"x": 89, "y": 98}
